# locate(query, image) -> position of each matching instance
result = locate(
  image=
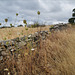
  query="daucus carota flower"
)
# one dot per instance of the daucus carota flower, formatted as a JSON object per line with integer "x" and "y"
{"x": 6, "y": 69}
{"x": 8, "y": 73}
{"x": 32, "y": 49}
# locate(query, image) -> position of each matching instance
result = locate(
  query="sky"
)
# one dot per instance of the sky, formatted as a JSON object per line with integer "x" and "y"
{"x": 51, "y": 11}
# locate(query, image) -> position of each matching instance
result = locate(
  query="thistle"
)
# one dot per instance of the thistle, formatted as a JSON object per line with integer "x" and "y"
{"x": 16, "y": 14}
{"x": 6, "y": 20}
{"x": 11, "y": 25}
{"x": 16, "y": 18}
{"x": 38, "y": 12}
{"x": 38, "y": 15}
{"x": 24, "y": 21}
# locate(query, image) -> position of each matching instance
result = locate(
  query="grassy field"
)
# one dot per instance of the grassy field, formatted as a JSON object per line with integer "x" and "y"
{"x": 56, "y": 56}
{"x": 10, "y": 33}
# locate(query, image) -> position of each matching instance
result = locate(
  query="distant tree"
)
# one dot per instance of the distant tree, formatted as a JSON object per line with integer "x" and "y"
{"x": 73, "y": 15}
{"x": 72, "y": 20}
{"x": 74, "y": 10}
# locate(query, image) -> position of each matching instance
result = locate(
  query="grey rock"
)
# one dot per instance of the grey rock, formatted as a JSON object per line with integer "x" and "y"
{"x": 16, "y": 39}
{"x": 28, "y": 40}
{"x": 22, "y": 38}
{"x": 43, "y": 37}
{"x": 1, "y": 57}
{"x": 6, "y": 43}
{"x": 9, "y": 48}
{"x": 30, "y": 36}
{"x": 1, "y": 49}
{"x": 51, "y": 29}
{"x": 56, "y": 27}
{"x": 46, "y": 32}
{"x": 36, "y": 33}
{"x": 43, "y": 33}
{"x": 22, "y": 43}
{"x": 4, "y": 53}
{"x": 36, "y": 38}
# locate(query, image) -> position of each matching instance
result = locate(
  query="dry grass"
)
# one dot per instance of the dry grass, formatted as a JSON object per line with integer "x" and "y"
{"x": 61, "y": 52}
{"x": 55, "y": 56}
{"x": 10, "y": 33}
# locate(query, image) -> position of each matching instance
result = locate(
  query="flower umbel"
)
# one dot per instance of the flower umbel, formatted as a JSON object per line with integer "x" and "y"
{"x": 32, "y": 49}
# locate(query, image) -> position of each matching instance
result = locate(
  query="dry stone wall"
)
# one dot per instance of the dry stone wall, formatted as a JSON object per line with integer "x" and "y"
{"x": 16, "y": 44}
{"x": 58, "y": 27}
{"x": 9, "y": 46}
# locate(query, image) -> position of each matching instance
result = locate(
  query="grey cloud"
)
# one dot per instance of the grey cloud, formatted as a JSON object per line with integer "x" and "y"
{"x": 50, "y": 10}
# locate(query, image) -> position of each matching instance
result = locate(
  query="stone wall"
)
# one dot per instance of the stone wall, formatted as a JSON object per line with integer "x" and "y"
{"x": 9, "y": 46}
{"x": 58, "y": 27}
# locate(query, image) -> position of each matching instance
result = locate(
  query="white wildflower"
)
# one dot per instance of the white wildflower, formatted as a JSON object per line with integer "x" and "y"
{"x": 12, "y": 50}
{"x": 6, "y": 69}
{"x": 32, "y": 49}
{"x": 8, "y": 73}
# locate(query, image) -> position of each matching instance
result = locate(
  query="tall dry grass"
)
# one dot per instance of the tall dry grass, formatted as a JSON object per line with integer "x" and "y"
{"x": 55, "y": 56}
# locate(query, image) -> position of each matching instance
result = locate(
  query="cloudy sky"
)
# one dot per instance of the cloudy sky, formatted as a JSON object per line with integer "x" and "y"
{"x": 52, "y": 11}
